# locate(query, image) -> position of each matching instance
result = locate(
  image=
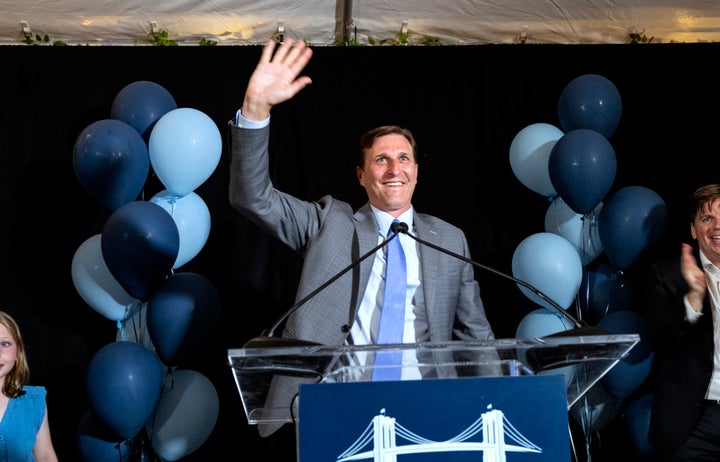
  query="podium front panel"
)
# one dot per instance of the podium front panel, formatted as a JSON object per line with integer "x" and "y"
{"x": 462, "y": 420}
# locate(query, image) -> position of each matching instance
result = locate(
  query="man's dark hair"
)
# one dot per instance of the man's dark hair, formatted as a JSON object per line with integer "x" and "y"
{"x": 368, "y": 139}
{"x": 701, "y": 198}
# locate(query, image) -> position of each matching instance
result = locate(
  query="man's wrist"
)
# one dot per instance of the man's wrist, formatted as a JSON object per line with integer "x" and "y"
{"x": 244, "y": 122}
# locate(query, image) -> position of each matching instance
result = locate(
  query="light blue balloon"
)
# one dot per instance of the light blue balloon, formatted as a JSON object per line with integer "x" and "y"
{"x": 184, "y": 148}
{"x": 96, "y": 284}
{"x": 551, "y": 264}
{"x": 529, "y": 154}
{"x": 185, "y": 415}
{"x": 192, "y": 217}
{"x": 582, "y": 231}
{"x": 542, "y": 322}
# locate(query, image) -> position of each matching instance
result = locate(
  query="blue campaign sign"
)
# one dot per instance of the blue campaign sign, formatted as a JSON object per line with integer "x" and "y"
{"x": 513, "y": 419}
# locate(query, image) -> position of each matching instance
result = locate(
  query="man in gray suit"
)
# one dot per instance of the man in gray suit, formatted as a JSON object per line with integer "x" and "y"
{"x": 443, "y": 301}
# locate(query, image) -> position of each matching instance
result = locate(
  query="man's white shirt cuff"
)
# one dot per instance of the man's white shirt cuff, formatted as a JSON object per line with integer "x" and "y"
{"x": 242, "y": 122}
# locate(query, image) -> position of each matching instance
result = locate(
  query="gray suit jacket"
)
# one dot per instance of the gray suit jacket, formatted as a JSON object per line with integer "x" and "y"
{"x": 329, "y": 235}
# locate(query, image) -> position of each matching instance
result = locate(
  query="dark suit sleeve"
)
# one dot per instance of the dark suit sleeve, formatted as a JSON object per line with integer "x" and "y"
{"x": 682, "y": 354}
{"x": 662, "y": 290}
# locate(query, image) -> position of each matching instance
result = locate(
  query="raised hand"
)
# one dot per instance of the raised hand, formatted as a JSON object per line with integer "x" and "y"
{"x": 276, "y": 77}
{"x": 694, "y": 276}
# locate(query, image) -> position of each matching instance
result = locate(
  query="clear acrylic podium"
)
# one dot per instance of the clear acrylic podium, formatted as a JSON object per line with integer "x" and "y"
{"x": 583, "y": 360}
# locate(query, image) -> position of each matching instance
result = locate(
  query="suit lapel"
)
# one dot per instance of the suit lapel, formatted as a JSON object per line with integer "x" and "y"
{"x": 429, "y": 263}
{"x": 366, "y": 229}
{"x": 366, "y": 232}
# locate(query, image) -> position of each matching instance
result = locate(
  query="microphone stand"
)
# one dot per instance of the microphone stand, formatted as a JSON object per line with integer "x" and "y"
{"x": 268, "y": 337}
{"x": 581, "y": 327}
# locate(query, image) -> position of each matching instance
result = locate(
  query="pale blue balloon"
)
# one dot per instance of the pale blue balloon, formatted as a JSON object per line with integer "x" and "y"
{"x": 185, "y": 415}
{"x": 192, "y": 217}
{"x": 184, "y": 148}
{"x": 551, "y": 264}
{"x": 96, "y": 284}
{"x": 529, "y": 154}
{"x": 542, "y": 322}
{"x": 582, "y": 231}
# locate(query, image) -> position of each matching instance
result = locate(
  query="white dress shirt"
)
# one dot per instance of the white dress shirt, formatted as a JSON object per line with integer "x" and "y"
{"x": 364, "y": 331}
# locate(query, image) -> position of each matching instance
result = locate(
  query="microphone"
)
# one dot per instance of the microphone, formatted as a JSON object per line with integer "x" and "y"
{"x": 399, "y": 227}
{"x": 268, "y": 339}
{"x": 581, "y": 327}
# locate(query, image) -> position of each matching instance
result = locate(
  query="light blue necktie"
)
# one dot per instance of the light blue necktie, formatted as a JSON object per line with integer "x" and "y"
{"x": 392, "y": 316}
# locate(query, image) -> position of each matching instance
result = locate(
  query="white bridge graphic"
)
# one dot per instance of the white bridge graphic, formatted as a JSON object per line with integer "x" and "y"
{"x": 383, "y": 431}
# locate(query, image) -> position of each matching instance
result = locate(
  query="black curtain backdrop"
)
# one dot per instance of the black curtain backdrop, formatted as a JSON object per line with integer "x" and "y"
{"x": 464, "y": 104}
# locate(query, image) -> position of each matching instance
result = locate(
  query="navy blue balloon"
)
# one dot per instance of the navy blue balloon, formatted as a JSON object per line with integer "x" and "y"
{"x": 123, "y": 383}
{"x": 111, "y": 161}
{"x": 590, "y": 101}
{"x": 633, "y": 370}
{"x": 604, "y": 289}
{"x": 96, "y": 442}
{"x": 635, "y": 420}
{"x": 141, "y": 104}
{"x": 582, "y": 167}
{"x": 139, "y": 243}
{"x": 631, "y": 223}
{"x": 182, "y": 316}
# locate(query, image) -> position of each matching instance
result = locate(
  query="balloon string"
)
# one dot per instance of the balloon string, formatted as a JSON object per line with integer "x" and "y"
{"x": 119, "y": 323}
{"x": 616, "y": 291}
{"x": 583, "y": 296}
{"x": 587, "y": 417}
{"x": 585, "y": 274}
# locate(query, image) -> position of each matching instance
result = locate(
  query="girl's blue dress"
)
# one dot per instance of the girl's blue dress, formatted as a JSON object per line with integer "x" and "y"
{"x": 20, "y": 425}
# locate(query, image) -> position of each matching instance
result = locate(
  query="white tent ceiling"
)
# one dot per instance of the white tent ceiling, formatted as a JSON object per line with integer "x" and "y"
{"x": 329, "y": 22}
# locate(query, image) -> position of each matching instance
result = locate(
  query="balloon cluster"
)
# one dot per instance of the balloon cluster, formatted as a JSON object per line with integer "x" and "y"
{"x": 574, "y": 167}
{"x": 127, "y": 274}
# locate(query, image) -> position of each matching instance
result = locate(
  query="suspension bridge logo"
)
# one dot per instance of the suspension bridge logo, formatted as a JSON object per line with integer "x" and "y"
{"x": 385, "y": 439}
{"x": 488, "y": 419}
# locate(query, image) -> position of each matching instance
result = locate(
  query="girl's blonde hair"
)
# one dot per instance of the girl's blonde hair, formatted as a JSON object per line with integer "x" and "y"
{"x": 20, "y": 374}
